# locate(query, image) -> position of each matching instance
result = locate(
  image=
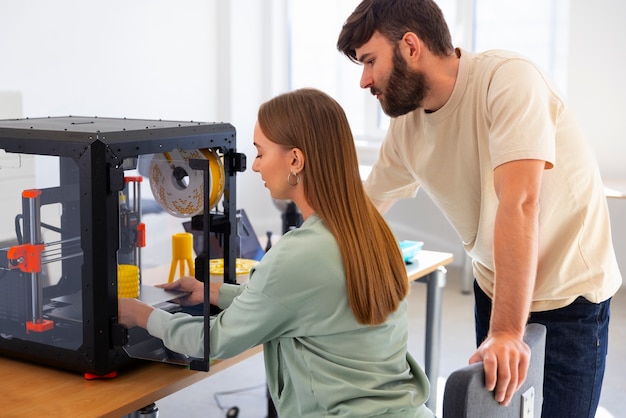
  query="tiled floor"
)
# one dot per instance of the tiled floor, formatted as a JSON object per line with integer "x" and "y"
{"x": 244, "y": 384}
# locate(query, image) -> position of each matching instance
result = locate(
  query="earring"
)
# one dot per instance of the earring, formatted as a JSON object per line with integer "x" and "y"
{"x": 289, "y": 178}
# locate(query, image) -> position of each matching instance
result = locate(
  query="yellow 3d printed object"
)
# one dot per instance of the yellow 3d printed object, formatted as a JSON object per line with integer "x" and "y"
{"x": 127, "y": 281}
{"x": 182, "y": 252}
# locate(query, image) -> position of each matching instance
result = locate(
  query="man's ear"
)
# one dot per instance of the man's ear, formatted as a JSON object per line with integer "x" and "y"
{"x": 411, "y": 46}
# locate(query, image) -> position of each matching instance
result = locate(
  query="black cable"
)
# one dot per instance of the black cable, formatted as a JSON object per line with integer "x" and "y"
{"x": 18, "y": 230}
{"x": 216, "y": 396}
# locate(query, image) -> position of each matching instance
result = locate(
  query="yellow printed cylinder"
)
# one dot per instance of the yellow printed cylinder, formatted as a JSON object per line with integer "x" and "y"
{"x": 182, "y": 253}
{"x": 182, "y": 246}
{"x": 127, "y": 281}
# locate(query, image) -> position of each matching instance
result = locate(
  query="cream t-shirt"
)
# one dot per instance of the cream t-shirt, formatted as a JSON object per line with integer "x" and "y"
{"x": 503, "y": 108}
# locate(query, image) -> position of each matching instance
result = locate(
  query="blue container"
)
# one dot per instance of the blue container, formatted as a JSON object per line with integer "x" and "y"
{"x": 410, "y": 249}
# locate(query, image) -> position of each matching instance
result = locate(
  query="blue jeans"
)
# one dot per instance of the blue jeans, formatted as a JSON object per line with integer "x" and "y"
{"x": 576, "y": 347}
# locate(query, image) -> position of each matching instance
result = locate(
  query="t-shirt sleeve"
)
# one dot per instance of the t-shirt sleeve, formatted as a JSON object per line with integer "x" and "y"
{"x": 390, "y": 178}
{"x": 523, "y": 108}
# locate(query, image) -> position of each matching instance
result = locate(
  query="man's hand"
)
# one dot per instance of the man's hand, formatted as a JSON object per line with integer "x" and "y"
{"x": 505, "y": 359}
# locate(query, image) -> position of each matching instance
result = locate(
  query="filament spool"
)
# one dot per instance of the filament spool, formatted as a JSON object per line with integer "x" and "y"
{"x": 178, "y": 188}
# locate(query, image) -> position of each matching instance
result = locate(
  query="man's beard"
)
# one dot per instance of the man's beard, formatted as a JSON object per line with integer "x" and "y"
{"x": 405, "y": 88}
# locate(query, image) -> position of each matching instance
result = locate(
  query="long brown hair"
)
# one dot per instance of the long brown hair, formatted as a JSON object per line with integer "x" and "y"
{"x": 315, "y": 123}
{"x": 394, "y": 18}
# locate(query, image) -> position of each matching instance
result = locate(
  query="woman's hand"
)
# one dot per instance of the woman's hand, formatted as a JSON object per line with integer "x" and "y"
{"x": 195, "y": 289}
{"x": 133, "y": 312}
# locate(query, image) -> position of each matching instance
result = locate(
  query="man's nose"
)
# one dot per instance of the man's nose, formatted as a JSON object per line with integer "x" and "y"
{"x": 366, "y": 79}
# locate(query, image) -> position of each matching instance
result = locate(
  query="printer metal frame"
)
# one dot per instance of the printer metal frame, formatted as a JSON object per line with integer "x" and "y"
{"x": 95, "y": 152}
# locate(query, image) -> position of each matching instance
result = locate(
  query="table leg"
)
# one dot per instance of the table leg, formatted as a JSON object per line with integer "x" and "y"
{"x": 467, "y": 275}
{"x": 435, "y": 282}
{"x": 149, "y": 411}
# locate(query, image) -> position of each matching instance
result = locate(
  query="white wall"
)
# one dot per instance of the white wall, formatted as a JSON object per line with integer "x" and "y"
{"x": 597, "y": 91}
{"x": 15, "y": 172}
{"x": 597, "y": 86}
{"x": 116, "y": 58}
{"x": 156, "y": 59}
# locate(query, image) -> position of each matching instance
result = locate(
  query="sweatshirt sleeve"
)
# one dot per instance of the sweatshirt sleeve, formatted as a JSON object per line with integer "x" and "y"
{"x": 266, "y": 308}
{"x": 227, "y": 293}
{"x": 180, "y": 332}
{"x": 252, "y": 319}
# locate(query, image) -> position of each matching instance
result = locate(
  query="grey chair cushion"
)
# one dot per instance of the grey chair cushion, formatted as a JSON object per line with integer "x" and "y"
{"x": 465, "y": 394}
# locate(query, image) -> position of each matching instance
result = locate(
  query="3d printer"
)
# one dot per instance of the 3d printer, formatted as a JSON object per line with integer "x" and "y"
{"x": 80, "y": 219}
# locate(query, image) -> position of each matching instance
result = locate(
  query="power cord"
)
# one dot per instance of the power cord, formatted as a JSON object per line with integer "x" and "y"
{"x": 233, "y": 411}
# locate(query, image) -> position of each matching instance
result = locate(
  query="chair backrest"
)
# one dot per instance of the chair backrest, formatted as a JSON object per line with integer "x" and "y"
{"x": 465, "y": 394}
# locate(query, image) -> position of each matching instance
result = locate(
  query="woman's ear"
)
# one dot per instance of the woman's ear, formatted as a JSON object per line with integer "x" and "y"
{"x": 297, "y": 160}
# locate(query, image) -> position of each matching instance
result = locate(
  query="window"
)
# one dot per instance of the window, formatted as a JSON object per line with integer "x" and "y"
{"x": 535, "y": 28}
{"x": 315, "y": 61}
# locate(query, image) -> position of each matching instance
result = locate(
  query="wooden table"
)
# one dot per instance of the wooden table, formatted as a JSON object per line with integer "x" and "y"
{"x": 33, "y": 390}
{"x": 429, "y": 267}
{"x": 29, "y": 390}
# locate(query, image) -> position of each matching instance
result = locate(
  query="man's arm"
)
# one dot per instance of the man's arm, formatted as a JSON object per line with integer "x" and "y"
{"x": 515, "y": 251}
{"x": 383, "y": 205}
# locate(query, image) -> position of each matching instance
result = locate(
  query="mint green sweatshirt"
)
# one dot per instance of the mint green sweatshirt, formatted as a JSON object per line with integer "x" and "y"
{"x": 319, "y": 360}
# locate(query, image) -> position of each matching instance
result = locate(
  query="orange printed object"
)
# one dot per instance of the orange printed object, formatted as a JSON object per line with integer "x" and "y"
{"x": 26, "y": 257}
{"x": 129, "y": 179}
{"x": 41, "y": 325}
{"x": 31, "y": 193}
{"x": 141, "y": 235}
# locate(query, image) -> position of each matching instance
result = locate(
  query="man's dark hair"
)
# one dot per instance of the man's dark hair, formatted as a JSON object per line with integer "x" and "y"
{"x": 394, "y": 18}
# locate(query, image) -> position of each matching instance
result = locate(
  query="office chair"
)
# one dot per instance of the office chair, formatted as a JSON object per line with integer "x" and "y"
{"x": 465, "y": 395}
